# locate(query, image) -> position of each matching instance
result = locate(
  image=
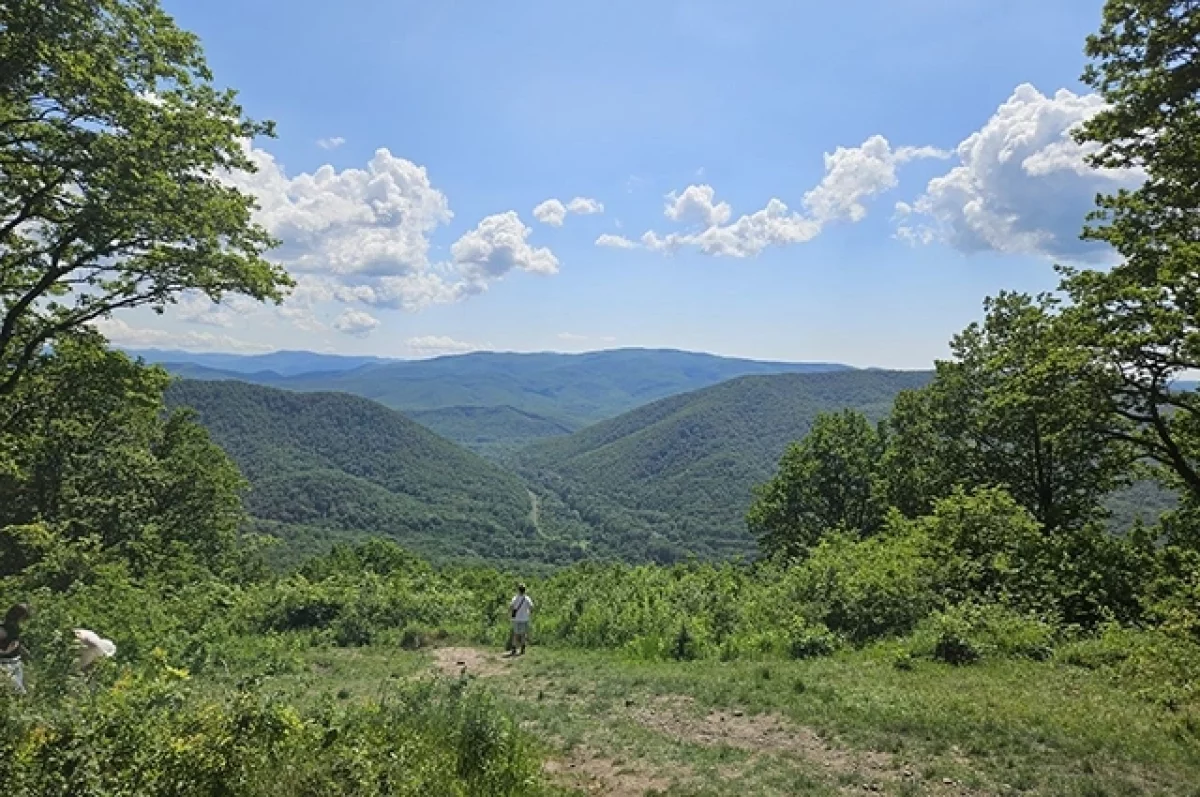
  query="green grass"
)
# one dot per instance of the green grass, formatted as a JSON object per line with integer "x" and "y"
{"x": 999, "y": 727}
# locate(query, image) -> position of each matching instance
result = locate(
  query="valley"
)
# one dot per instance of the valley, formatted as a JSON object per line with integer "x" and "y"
{"x": 667, "y": 480}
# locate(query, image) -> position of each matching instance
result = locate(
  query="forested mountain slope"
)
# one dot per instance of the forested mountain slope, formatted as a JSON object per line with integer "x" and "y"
{"x": 676, "y": 476}
{"x": 570, "y": 390}
{"x": 490, "y": 431}
{"x": 345, "y": 465}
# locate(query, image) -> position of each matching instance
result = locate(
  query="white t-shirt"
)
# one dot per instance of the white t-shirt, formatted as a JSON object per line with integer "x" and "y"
{"x": 522, "y": 603}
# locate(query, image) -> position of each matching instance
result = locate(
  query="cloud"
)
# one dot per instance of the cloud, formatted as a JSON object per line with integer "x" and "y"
{"x": 303, "y": 318}
{"x": 357, "y": 323}
{"x": 553, "y": 212}
{"x": 363, "y": 236}
{"x": 371, "y": 221}
{"x": 1021, "y": 185}
{"x": 774, "y": 225}
{"x": 585, "y": 206}
{"x": 696, "y": 204}
{"x": 429, "y": 345}
{"x": 852, "y": 175}
{"x": 196, "y": 308}
{"x": 330, "y": 143}
{"x": 615, "y": 241}
{"x": 496, "y": 246}
{"x": 121, "y": 333}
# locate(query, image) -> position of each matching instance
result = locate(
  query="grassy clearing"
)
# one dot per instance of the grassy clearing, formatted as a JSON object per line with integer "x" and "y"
{"x": 847, "y": 723}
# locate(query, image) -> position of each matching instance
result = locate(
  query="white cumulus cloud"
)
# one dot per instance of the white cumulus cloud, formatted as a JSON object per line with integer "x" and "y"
{"x": 196, "y": 308}
{"x": 333, "y": 142}
{"x": 122, "y": 333}
{"x": 551, "y": 212}
{"x": 695, "y": 203}
{"x": 852, "y": 175}
{"x": 585, "y": 206}
{"x": 358, "y": 323}
{"x": 357, "y": 221}
{"x": 429, "y": 345}
{"x": 554, "y": 212}
{"x": 615, "y": 241}
{"x": 363, "y": 236}
{"x": 1021, "y": 184}
{"x": 498, "y": 245}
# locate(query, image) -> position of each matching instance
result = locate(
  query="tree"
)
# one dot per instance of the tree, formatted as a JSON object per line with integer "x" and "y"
{"x": 826, "y": 481}
{"x": 920, "y": 464}
{"x": 1021, "y": 399}
{"x": 114, "y": 152}
{"x": 1141, "y": 319}
{"x": 93, "y": 463}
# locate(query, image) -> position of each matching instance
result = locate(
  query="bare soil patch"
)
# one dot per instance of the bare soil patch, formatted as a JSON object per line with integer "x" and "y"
{"x": 592, "y": 773}
{"x": 456, "y": 661}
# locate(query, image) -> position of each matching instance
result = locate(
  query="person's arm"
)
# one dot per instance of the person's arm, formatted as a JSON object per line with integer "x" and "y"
{"x": 9, "y": 647}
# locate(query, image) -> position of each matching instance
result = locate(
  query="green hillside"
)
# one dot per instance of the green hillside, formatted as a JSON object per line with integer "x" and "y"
{"x": 349, "y": 467}
{"x": 675, "y": 477}
{"x": 572, "y": 390}
{"x": 491, "y": 431}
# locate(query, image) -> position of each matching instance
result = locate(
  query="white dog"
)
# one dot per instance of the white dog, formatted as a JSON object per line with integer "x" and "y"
{"x": 94, "y": 647}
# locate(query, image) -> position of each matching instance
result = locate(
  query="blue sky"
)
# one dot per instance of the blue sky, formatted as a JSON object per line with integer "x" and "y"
{"x": 956, "y": 176}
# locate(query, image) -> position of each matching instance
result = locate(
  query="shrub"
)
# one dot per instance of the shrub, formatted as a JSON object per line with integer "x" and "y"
{"x": 809, "y": 641}
{"x": 866, "y": 589}
{"x": 1155, "y": 665}
{"x": 151, "y": 732}
{"x": 969, "y": 632}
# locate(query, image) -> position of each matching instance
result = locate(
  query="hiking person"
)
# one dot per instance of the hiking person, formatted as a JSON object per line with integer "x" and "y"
{"x": 521, "y": 608}
{"x": 11, "y": 647}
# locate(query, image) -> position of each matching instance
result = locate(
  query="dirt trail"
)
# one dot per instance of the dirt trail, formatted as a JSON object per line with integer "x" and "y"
{"x": 535, "y": 512}
{"x": 456, "y": 661}
{"x": 679, "y": 717}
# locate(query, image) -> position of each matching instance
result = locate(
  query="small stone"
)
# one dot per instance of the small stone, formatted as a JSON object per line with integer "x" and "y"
{"x": 628, "y": 703}
{"x": 948, "y": 781}
{"x": 739, "y": 713}
{"x": 461, "y": 663}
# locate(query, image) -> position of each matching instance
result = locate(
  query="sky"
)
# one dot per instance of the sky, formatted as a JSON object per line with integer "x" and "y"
{"x": 764, "y": 178}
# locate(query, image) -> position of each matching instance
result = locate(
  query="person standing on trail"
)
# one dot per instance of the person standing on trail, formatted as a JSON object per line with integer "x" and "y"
{"x": 11, "y": 647}
{"x": 521, "y": 608}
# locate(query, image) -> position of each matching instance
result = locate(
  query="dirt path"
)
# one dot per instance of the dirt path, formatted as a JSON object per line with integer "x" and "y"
{"x": 680, "y": 718}
{"x": 472, "y": 661}
{"x": 535, "y": 512}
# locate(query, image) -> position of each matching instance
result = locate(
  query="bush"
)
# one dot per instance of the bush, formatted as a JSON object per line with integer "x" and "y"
{"x": 970, "y": 632}
{"x": 810, "y": 641}
{"x": 151, "y": 732}
{"x": 866, "y": 589}
{"x": 1154, "y": 665}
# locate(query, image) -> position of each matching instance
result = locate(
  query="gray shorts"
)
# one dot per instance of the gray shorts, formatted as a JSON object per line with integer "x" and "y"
{"x": 521, "y": 627}
{"x": 16, "y": 672}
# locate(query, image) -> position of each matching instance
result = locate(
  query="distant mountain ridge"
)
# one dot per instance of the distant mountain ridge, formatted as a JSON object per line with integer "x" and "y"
{"x": 282, "y": 363}
{"x": 553, "y": 390}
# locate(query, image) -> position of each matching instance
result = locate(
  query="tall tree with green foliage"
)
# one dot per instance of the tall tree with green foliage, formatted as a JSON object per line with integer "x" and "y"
{"x": 1141, "y": 319}
{"x": 1016, "y": 408}
{"x": 825, "y": 482}
{"x": 113, "y": 146}
{"x": 920, "y": 464}
{"x": 96, "y": 470}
